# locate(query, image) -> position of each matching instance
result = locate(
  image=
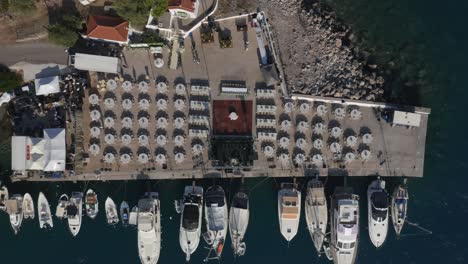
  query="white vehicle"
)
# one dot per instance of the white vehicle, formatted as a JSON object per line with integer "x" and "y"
{"x": 344, "y": 214}
{"x": 43, "y": 210}
{"x": 75, "y": 212}
{"x": 3, "y": 197}
{"x": 91, "y": 204}
{"x": 399, "y": 207}
{"x": 61, "y": 210}
{"x": 316, "y": 213}
{"x": 191, "y": 209}
{"x": 377, "y": 204}
{"x": 216, "y": 217}
{"x": 289, "y": 210}
{"x": 149, "y": 228}
{"x": 13, "y": 207}
{"x": 111, "y": 212}
{"x": 28, "y": 207}
{"x": 238, "y": 222}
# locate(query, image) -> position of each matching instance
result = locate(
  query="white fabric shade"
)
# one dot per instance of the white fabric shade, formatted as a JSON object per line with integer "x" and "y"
{"x": 161, "y": 87}
{"x": 47, "y": 85}
{"x": 127, "y": 86}
{"x": 94, "y": 149}
{"x": 143, "y": 86}
{"x": 109, "y": 103}
{"x": 126, "y": 139}
{"x": 109, "y": 139}
{"x": 111, "y": 85}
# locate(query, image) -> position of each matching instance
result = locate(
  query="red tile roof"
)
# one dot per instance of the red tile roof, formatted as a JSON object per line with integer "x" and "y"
{"x": 223, "y": 125}
{"x": 187, "y": 5}
{"x": 108, "y": 28}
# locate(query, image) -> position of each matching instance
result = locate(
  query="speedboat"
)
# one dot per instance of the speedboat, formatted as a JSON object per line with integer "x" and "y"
{"x": 75, "y": 212}
{"x": 216, "y": 217}
{"x": 191, "y": 209}
{"x": 3, "y": 197}
{"x": 43, "y": 210}
{"x": 61, "y": 211}
{"x": 238, "y": 222}
{"x": 399, "y": 207}
{"x": 289, "y": 210}
{"x": 316, "y": 212}
{"x": 344, "y": 214}
{"x": 91, "y": 204}
{"x": 13, "y": 207}
{"x": 28, "y": 207}
{"x": 377, "y": 204}
{"x": 124, "y": 213}
{"x": 149, "y": 228}
{"x": 111, "y": 212}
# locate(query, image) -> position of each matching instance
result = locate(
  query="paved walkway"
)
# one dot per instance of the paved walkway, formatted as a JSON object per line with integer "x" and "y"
{"x": 37, "y": 52}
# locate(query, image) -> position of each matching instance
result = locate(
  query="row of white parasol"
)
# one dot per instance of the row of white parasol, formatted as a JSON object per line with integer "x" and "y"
{"x": 143, "y": 158}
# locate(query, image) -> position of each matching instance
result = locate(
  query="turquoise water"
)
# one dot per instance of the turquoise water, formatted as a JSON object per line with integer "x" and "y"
{"x": 426, "y": 39}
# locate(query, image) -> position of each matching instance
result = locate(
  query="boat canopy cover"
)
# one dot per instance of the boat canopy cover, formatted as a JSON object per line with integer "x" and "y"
{"x": 72, "y": 210}
{"x": 215, "y": 196}
{"x": 379, "y": 200}
{"x": 241, "y": 202}
{"x": 191, "y": 216}
{"x": 216, "y": 218}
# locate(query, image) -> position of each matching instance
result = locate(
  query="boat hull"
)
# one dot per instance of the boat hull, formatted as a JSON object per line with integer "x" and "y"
{"x": 289, "y": 225}
{"x": 377, "y": 229}
{"x": 91, "y": 209}
{"x": 43, "y": 210}
{"x": 238, "y": 222}
{"x": 316, "y": 213}
{"x": 28, "y": 207}
{"x": 74, "y": 221}
{"x": 111, "y": 212}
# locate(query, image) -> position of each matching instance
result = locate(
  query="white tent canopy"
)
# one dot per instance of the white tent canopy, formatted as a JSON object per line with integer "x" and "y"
{"x": 87, "y": 62}
{"x": 47, "y": 85}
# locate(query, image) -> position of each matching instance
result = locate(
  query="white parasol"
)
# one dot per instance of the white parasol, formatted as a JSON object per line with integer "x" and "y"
{"x": 158, "y": 62}
{"x": 336, "y": 132}
{"x": 95, "y": 132}
{"x": 95, "y": 115}
{"x": 319, "y": 128}
{"x": 285, "y": 125}
{"x": 284, "y": 159}
{"x": 318, "y": 143}
{"x": 179, "y": 157}
{"x": 161, "y": 122}
{"x": 299, "y": 159}
{"x": 304, "y": 108}
{"x": 289, "y": 107}
{"x": 161, "y": 104}
{"x": 351, "y": 141}
{"x": 366, "y": 155}
{"x": 125, "y": 158}
{"x": 143, "y": 122}
{"x": 161, "y": 87}
{"x": 143, "y": 140}
{"x": 355, "y": 114}
{"x": 109, "y": 103}
{"x": 93, "y": 99}
{"x": 335, "y": 147}
{"x": 317, "y": 160}
{"x": 179, "y": 140}
{"x": 301, "y": 143}
{"x": 197, "y": 149}
{"x": 143, "y": 158}
{"x": 94, "y": 149}
{"x": 111, "y": 85}
{"x": 349, "y": 157}
{"x": 339, "y": 113}
{"x": 143, "y": 86}
{"x": 284, "y": 142}
{"x": 302, "y": 126}
{"x": 109, "y": 158}
{"x": 160, "y": 159}
{"x": 269, "y": 151}
{"x": 127, "y": 104}
{"x": 179, "y": 104}
{"x": 161, "y": 140}
{"x": 321, "y": 110}
{"x": 367, "y": 138}
{"x": 127, "y": 86}
{"x": 109, "y": 139}
{"x": 144, "y": 104}
{"x": 179, "y": 122}
{"x": 180, "y": 89}
{"x": 127, "y": 122}
{"x": 126, "y": 139}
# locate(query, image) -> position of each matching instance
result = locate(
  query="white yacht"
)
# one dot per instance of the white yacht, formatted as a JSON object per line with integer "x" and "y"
{"x": 216, "y": 217}
{"x": 28, "y": 207}
{"x": 60, "y": 211}
{"x": 316, "y": 212}
{"x": 43, "y": 210}
{"x": 91, "y": 204}
{"x": 13, "y": 207}
{"x": 238, "y": 222}
{"x": 399, "y": 207}
{"x": 344, "y": 214}
{"x": 3, "y": 197}
{"x": 289, "y": 210}
{"x": 191, "y": 209}
{"x": 149, "y": 228}
{"x": 75, "y": 212}
{"x": 111, "y": 212}
{"x": 377, "y": 204}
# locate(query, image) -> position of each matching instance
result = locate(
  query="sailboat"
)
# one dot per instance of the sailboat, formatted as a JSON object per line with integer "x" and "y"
{"x": 289, "y": 210}
{"x": 149, "y": 228}
{"x": 124, "y": 213}
{"x": 43, "y": 210}
{"x": 75, "y": 212}
{"x": 191, "y": 209}
{"x": 3, "y": 197}
{"x": 238, "y": 222}
{"x": 28, "y": 207}
{"x": 399, "y": 207}
{"x": 216, "y": 217}
{"x": 13, "y": 207}
{"x": 344, "y": 214}
{"x": 377, "y": 204}
{"x": 60, "y": 211}
{"x": 91, "y": 204}
{"x": 111, "y": 212}
{"x": 316, "y": 212}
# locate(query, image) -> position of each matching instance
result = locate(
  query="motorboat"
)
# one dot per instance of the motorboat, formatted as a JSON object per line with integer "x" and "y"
{"x": 91, "y": 204}
{"x": 60, "y": 211}
{"x": 344, "y": 214}
{"x": 14, "y": 210}
{"x": 238, "y": 222}
{"x": 149, "y": 228}
{"x": 111, "y": 212}
{"x": 191, "y": 210}
{"x": 316, "y": 212}
{"x": 3, "y": 197}
{"x": 124, "y": 213}
{"x": 28, "y": 207}
{"x": 43, "y": 211}
{"x": 75, "y": 212}
{"x": 377, "y": 204}
{"x": 216, "y": 217}
{"x": 289, "y": 210}
{"x": 399, "y": 207}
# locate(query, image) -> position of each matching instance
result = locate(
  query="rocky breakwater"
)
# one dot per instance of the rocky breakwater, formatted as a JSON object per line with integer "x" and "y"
{"x": 318, "y": 54}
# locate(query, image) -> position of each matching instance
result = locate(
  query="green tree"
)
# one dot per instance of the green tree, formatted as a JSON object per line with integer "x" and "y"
{"x": 137, "y": 11}
{"x": 22, "y": 7}
{"x": 4, "y": 5}
{"x": 62, "y": 35}
{"x": 9, "y": 80}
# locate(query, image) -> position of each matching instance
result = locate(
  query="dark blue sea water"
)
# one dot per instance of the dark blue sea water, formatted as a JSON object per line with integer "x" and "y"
{"x": 427, "y": 39}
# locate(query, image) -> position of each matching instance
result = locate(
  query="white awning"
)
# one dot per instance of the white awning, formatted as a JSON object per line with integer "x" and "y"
{"x": 406, "y": 118}
{"x": 87, "y": 62}
{"x": 47, "y": 85}
{"x": 55, "y": 149}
